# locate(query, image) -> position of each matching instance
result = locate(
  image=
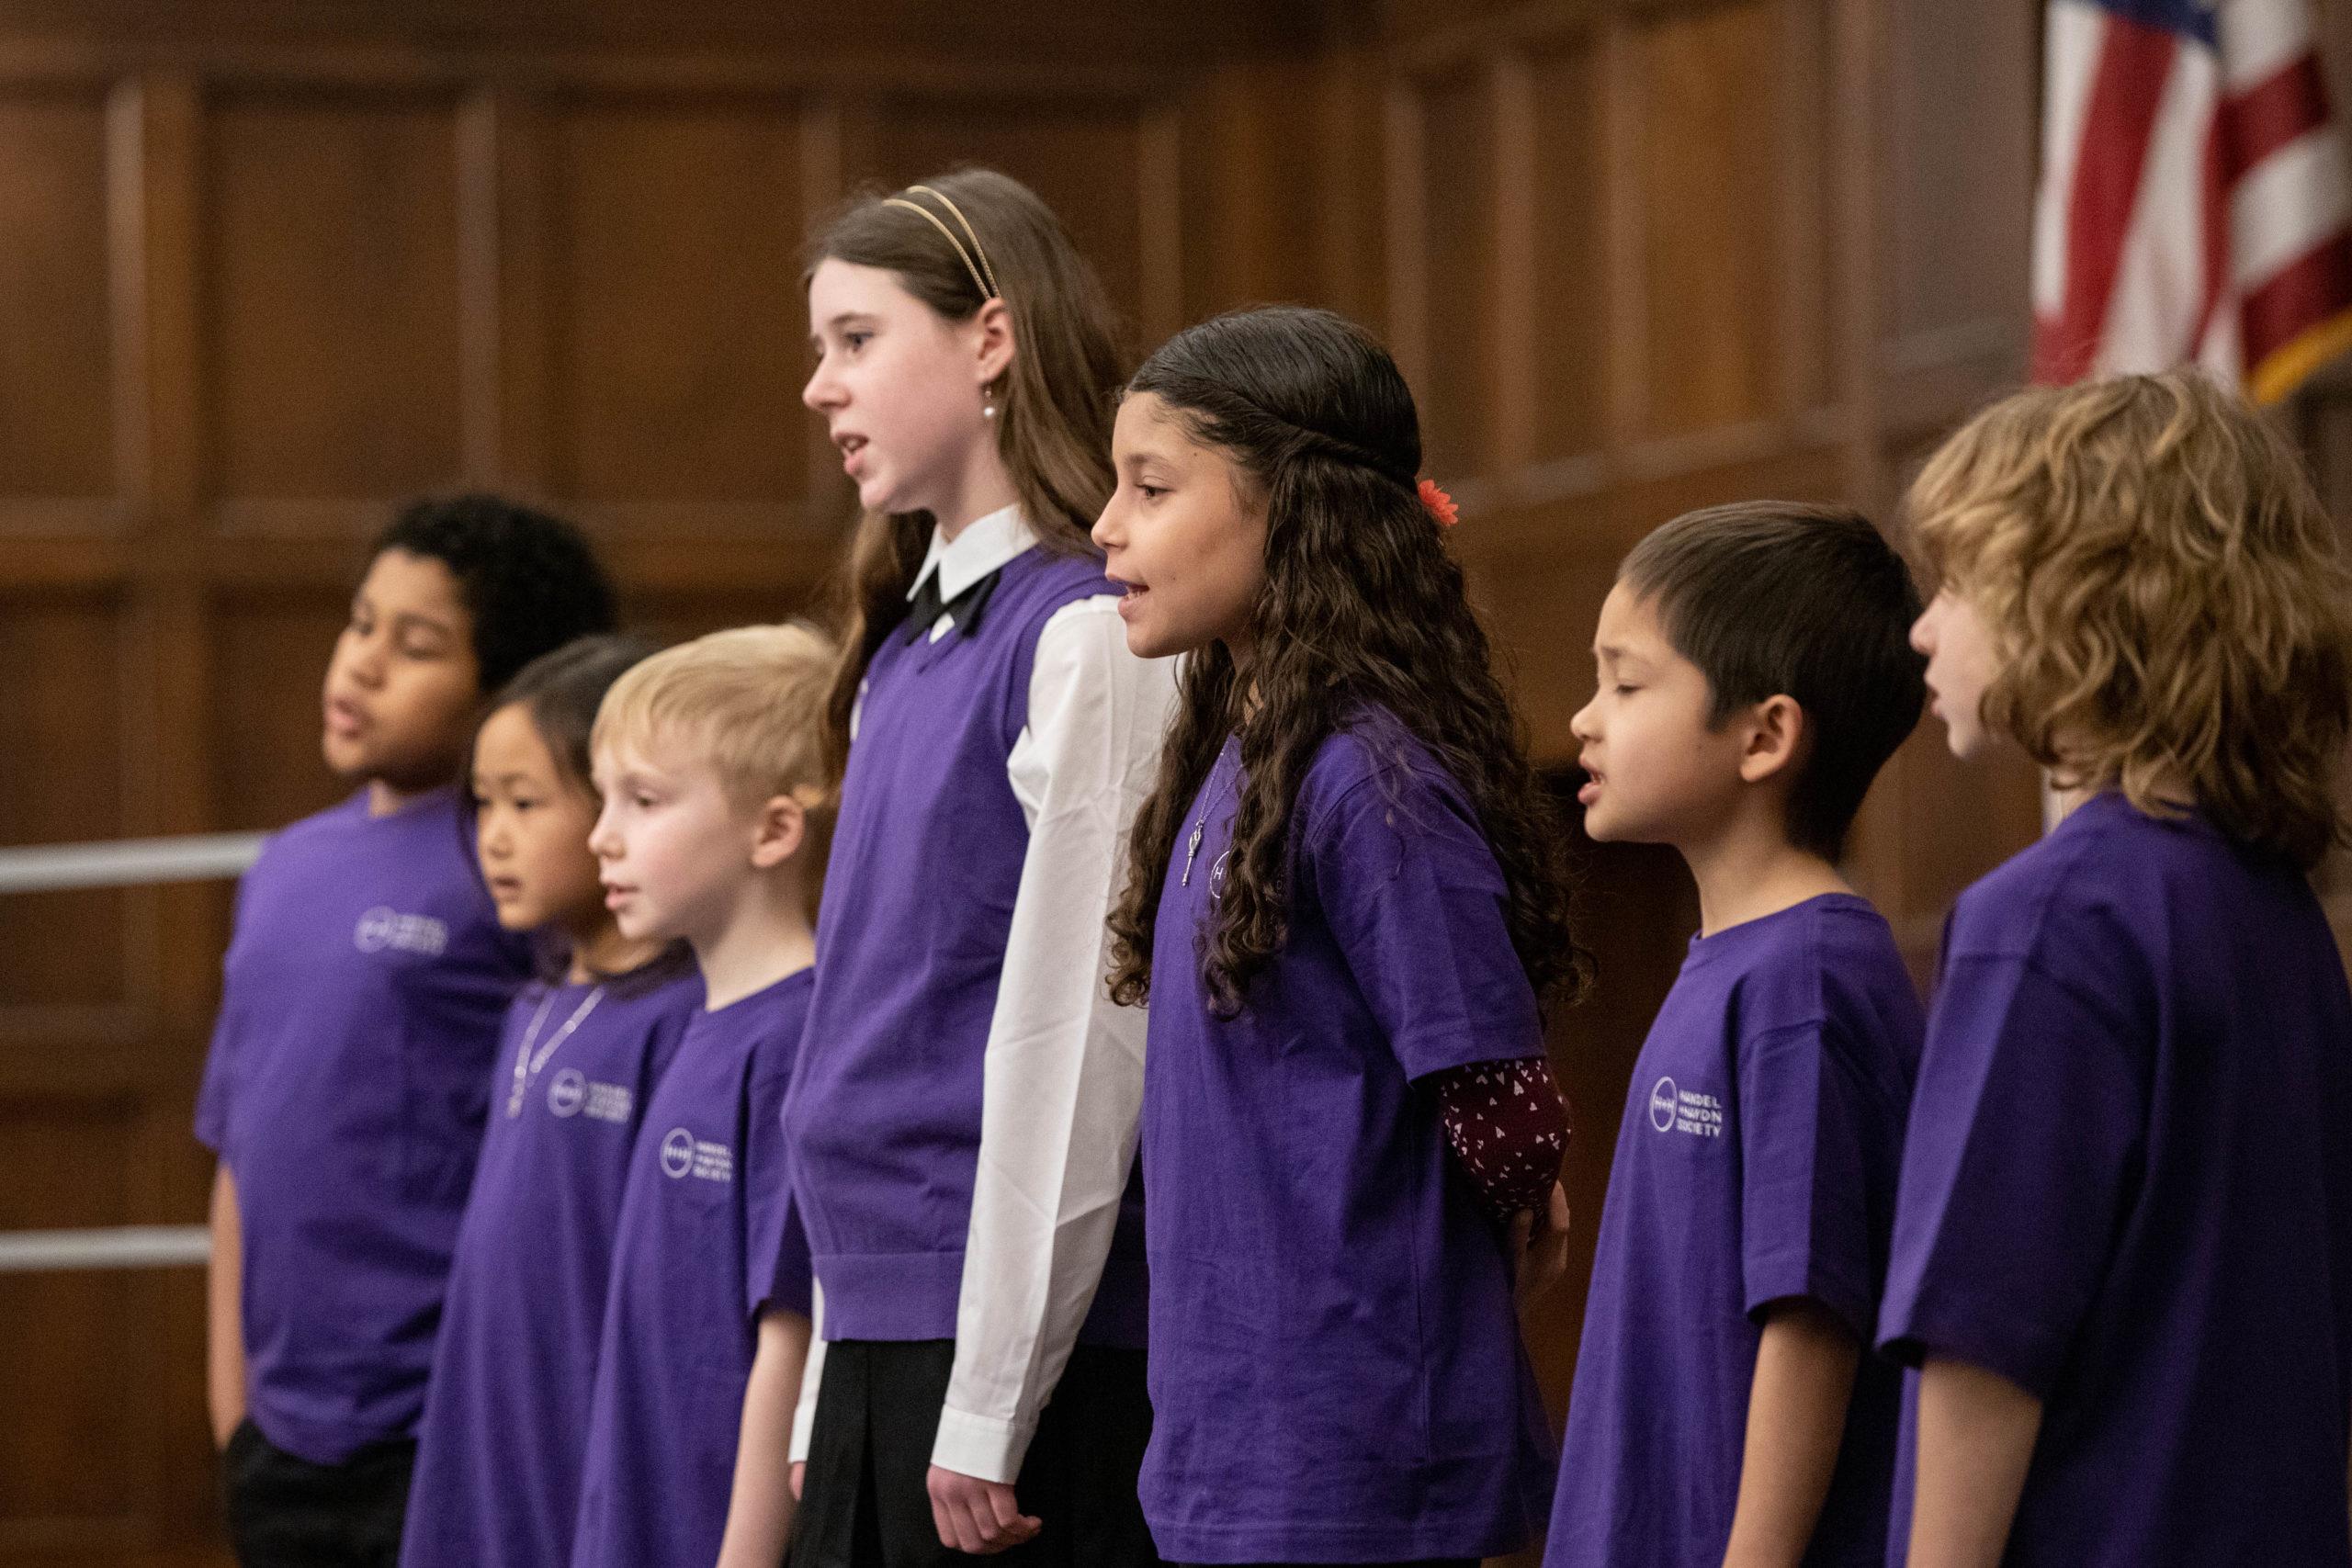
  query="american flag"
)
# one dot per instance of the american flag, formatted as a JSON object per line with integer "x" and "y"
{"x": 2194, "y": 203}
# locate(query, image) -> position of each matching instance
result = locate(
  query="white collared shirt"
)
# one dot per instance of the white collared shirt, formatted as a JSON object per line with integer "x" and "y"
{"x": 1062, "y": 1080}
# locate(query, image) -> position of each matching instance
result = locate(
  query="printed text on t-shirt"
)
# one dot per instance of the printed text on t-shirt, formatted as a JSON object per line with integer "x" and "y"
{"x": 1676, "y": 1110}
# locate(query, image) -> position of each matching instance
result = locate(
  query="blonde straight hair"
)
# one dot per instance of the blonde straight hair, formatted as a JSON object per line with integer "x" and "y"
{"x": 752, "y": 702}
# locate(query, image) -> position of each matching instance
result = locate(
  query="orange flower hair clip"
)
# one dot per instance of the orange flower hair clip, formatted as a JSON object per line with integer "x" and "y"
{"x": 1441, "y": 504}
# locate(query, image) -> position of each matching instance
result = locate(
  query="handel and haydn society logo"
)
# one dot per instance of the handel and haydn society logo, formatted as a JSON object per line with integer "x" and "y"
{"x": 1676, "y": 1110}
{"x": 382, "y": 928}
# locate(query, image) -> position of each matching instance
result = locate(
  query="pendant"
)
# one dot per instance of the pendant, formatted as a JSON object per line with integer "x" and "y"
{"x": 1194, "y": 848}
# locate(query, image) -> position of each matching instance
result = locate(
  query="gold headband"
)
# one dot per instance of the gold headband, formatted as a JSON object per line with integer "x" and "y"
{"x": 985, "y": 284}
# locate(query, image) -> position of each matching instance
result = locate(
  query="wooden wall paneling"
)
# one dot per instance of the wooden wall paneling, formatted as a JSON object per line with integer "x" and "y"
{"x": 335, "y": 298}
{"x": 1566, "y": 330}
{"x": 1944, "y": 321}
{"x": 62, "y": 947}
{"x": 679, "y": 326}
{"x": 77, "y": 1407}
{"x": 1713, "y": 91}
{"x": 1082, "y": 156}
{"x": 1254, "y": 162}
{"x": 1957, "y": 154}
{"x": 270, "y": 653}
{"x": 1460, "y": 322}
{"x": 56, "y": 414}
{"x": 154, "y": 192}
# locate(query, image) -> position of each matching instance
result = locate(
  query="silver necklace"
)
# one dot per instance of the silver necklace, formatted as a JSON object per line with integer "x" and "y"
{"x": 526, "y": 1065}
{"x": 1209, "y": 798}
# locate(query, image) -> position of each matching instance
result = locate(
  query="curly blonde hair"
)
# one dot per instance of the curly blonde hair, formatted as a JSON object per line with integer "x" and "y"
{"x": 2165, "y": 597}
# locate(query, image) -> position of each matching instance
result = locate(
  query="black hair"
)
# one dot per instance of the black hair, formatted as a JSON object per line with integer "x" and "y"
{"x": 531, "y": 582}
{"x": 1362, "y": 609}
{"x": 1772, "y": 598}
{"x": 561, "y": 693}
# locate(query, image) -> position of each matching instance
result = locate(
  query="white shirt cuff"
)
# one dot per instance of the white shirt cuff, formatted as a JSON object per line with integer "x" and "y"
{"x": 981, "y": 1446}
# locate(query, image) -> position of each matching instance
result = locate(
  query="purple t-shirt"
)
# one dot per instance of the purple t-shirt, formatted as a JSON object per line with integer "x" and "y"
{"x": 1757, "y": 1161}
{"x": 708, "y": 1240}
{"x": 1335, "y": 1369}
{"x": 497, "y": 1481}
{"x": 2128, "y": 1190}
{"x": 346, "y": 1090}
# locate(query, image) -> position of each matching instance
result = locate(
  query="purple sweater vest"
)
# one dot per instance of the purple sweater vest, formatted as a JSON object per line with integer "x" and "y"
{"x": 883, "y": 1112}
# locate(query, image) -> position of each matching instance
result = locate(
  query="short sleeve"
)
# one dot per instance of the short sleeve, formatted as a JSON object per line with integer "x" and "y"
{"x": 2025, "y": 1130}
{"x": 776, "y": 1270}
{"x": 1815, "y": 1139}
{"x": 217, "y": 1092}
{"x": 1415, "y": 901}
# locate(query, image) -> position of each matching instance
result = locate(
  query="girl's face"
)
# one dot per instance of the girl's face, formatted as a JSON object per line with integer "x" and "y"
{"x": 1960, "y": 665}
{"x": 402, "y": 687}
{"x": 674, "y": 854}
{"x": 531, "y": 827}
{"x": 1182, "y": 534}
{"x": 1658, "y": 773}
{"x": 901, "y": 388}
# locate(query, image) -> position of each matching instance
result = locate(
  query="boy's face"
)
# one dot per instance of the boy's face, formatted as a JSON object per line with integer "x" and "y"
{"x": 1960, "y": 665}
{"x": 531, "y": 827}
{"x": 402, "y": 687}
{"x": 1180, "y": 536}
{"x": 1658, "y": 774}
{"x": 676, "y": 855}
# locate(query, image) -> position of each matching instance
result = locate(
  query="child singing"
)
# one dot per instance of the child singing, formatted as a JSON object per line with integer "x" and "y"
{"x": 497, "y": 1478}
{"x": 963, "y": 1121}
{"x": 350, "y": 1068}
{"x": 2123, "y": 1238}
{"x": 1346, "y": 904}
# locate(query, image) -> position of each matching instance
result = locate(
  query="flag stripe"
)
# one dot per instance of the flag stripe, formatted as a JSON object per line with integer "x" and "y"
{"x": 2295, "y": 198}
{"x": 2160, "y": 294}
{"x": 2302, "y": 294}
{"x": 2133, "y": 64}
{"x": 2259, "y": 39}
{"x": 2289, "y": 104}
{"x": 2071, "y": 48}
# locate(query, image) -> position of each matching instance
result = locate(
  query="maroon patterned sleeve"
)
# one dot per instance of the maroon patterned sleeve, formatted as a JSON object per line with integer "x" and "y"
{"x": 1508, "y": 1126}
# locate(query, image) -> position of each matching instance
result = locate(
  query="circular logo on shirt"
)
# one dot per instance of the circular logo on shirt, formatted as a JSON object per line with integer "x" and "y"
{"x": 569, "y": 1092}
{"x": 1216, "y": 876}
{"x": 677, "y": 1152}
{"x": 1662, "y": 1102}
{"x": 375, "y": 927}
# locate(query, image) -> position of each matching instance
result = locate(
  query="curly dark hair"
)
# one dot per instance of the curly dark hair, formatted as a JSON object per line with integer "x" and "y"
{"x": 1363, "y": 610}
{"x": 531, "y": 582}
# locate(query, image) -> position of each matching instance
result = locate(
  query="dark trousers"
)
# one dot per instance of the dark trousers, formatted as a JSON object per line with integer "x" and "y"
{"x": 285, "y": 1512}
{"x": 865, "y": 1499}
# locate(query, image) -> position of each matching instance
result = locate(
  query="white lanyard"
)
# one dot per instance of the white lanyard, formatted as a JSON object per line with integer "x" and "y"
{"x": 526, "y": 1065}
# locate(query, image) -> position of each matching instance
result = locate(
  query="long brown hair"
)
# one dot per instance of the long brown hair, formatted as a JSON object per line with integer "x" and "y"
{"x": 1054, "y": 403}
{"x": 1361, "y": 608}
{"x": 2166, "y": 598}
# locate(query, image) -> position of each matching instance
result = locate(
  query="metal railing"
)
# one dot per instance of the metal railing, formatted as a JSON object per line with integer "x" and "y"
{"x": 202, "y": 857}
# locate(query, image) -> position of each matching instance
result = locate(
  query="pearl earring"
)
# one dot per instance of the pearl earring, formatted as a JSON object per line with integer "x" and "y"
{"x": 988, "y": 403}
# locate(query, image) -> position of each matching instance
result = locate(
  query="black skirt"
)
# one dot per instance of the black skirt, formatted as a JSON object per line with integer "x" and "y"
{"x": 866, "y": 1498}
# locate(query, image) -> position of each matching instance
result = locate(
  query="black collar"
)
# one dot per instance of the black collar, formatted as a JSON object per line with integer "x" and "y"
{"x": 924, "y": 610}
